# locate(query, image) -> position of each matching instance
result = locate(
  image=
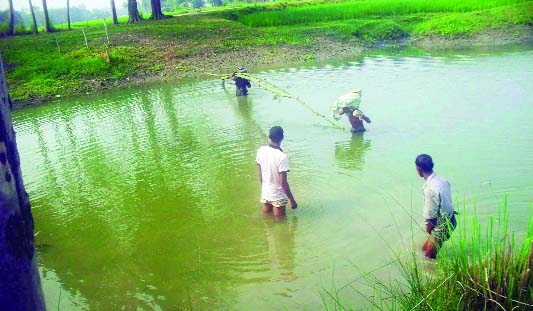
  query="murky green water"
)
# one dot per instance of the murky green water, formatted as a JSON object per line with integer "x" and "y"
{"x": 148, "y": 198}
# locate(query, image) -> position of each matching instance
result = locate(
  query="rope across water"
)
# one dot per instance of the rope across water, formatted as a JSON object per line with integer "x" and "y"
{"x": 279, "y": 92}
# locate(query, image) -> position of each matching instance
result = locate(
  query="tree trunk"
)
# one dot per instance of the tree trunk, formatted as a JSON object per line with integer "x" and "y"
{"x": 133, "y": 12}
{"x": 35, "y": 29}
{"x": 114, "y": 11}
{"x": 198, "y": 4}
{"x": 156, "y": 10}
{"x": 20, "y": 284}
{"x": 47, "y": 27}
{"x": 11, "y": 29}
{"x": 68, "y": 14}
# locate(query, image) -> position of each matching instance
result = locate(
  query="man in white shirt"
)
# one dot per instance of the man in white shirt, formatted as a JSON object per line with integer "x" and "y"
{"x": 438, "y": 210}
{"x": 273, "y": 166}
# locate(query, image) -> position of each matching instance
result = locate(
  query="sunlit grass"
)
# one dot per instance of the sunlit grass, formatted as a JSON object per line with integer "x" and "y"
{"x": 366, "y": 9}
{"x": 483, "y": 266}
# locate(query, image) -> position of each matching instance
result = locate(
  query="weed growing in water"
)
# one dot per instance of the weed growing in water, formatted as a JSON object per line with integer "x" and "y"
{"x": 482, "y": 267}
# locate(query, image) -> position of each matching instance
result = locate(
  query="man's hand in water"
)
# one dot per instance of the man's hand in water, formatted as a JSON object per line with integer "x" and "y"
{"x": 294, "y": 205}
{"x": 287, "y": 189}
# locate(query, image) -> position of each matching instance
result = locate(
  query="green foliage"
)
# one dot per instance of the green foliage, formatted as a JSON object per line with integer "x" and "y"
{"x": 42, "y": 71}
{"x": 482, "y": 267}
{"x": 364, "y": 9}
{"x": 474, "y": 22}
{"x": 379, "y": 30}
{"x": 384, "y": 20}
{"x": 309, "y": 57}
{"x": 181, "y": 67}
{"x": 157, "y": 67}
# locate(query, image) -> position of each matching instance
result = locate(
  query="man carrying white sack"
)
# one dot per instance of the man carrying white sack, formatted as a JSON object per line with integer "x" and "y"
{"x": 349, "y": 104}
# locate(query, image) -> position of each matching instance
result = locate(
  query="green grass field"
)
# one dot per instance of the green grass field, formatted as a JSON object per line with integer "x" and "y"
{"x": 373, "y": 20}
{"x": 368, "y": 9}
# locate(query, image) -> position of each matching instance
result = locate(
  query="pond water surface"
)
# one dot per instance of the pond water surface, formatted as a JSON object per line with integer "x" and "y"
{"x": 148, "y": 198}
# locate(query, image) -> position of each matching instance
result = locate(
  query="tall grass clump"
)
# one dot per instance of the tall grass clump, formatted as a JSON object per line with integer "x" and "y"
{"x": 482, "y": 267}
{"x": 365, "y": 9}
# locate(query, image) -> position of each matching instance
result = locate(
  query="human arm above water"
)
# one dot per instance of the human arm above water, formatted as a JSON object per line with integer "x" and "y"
{"x": 430, "y": 225}
{"x": 286, "y": 188}
{"x": 361, "y": 116}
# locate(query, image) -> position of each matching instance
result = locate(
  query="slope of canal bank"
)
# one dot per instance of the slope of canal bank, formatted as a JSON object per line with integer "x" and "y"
{"x": 83, "y": 61}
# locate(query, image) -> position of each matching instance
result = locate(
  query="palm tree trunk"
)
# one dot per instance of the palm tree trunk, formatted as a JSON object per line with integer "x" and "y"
{"x": 68, "y": 14}
{"x": 114, "y": 11}
{"x": 47, "y": 27}
{"x": 11, "y": 29}
{"x": 133, "y": 12}
{"x": 156, "y": 10}
{"x": 20, "y": 284}
{"x": 35, "y": 29}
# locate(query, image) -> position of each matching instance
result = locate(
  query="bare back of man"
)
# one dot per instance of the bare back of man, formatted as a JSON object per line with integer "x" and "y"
{"x": 356, "y": 118}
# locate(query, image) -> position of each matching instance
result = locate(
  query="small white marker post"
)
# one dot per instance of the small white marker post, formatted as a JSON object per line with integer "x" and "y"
{"x": 85, "y": 37}
{"x": 106, "y": 33}
{"x": 57, "y": 43}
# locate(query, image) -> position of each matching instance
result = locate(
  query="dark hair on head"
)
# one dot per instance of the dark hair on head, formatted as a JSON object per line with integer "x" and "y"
{"x": 425, "y": 163}
{"x": 276, "y": 134}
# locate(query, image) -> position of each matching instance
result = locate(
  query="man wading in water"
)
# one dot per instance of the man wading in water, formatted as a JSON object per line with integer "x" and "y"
{"x": 349, "y": 104}
{"x": 273, "y": 166}
{"x": 241, "y": 84}
{"x": 438, "y": 206}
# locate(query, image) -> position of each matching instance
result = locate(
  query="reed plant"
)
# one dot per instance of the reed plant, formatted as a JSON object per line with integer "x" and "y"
{"x": 483, "y": 266}
{"x": 327, "y": 12}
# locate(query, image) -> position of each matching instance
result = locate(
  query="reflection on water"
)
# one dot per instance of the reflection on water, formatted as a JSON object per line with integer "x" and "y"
{"x": 244, "y": 106}
{"x": 351, "y": 154}
{"x": 280, "y": 237}
{"x": 148, "y": 198}
{"x": 129, "y": 192}
{"x": 59, "y": 297}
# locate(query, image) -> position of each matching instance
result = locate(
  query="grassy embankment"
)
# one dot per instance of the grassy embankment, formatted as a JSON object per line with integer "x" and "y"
{"x": 482, "y": 267}
{"x": 190, "y": 46}
{"x": 385, "y": 19}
